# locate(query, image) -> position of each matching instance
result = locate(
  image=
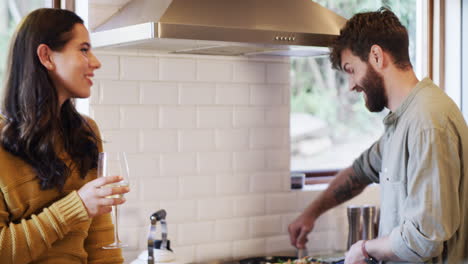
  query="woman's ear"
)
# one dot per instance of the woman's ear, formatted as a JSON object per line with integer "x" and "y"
{"x": 44, "y": 54}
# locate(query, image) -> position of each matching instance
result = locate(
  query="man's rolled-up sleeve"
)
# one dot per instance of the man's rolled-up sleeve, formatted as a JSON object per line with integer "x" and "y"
{"x": 368, "y": 164}
{"x": 431, "y": 213}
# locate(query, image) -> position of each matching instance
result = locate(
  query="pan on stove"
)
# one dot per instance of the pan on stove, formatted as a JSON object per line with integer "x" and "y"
{"x": 281, "y": 259}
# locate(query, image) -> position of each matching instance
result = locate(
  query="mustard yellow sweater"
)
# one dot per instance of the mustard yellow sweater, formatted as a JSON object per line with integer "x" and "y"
{"x": 47, "y": 226}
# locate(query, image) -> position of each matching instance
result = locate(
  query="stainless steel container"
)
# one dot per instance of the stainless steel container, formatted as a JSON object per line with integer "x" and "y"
{"x": 354, "y": 224}
{"x": 369, "y": 221}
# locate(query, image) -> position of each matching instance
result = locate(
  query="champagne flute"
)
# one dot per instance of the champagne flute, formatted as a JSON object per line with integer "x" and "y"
{"x": 112, "y": 167}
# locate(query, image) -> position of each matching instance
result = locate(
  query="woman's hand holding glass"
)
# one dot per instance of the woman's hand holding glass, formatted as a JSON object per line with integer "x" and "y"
{"x": 109, "y": 166}
{"x": 94, "y": 195}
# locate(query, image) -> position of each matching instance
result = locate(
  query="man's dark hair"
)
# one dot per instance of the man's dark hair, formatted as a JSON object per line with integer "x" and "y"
{"x": 363, "y": 30}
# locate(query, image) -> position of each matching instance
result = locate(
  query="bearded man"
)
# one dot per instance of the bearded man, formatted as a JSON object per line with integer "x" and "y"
{"x": 420, "y": 162}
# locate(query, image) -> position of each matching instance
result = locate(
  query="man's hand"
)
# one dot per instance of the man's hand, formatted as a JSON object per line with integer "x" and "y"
{"x": 344, "y": 186}
{"x": 299, "y": 229}
{"x": 354, "y": 255}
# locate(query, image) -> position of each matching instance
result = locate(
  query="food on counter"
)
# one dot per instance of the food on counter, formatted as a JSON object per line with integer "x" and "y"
{"x": 304, "y": 260}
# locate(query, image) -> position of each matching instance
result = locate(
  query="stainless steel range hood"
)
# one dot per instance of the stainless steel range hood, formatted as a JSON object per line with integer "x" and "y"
{"x": 222, "y": 27}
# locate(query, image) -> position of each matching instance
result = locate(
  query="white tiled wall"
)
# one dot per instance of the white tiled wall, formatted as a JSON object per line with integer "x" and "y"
{"x": 208, "y": 140}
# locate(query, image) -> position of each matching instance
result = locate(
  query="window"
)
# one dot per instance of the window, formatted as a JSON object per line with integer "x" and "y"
{"x": 464, "y": 58}
{"x": 330, "y": 126}
{"x": 11, "y": 12}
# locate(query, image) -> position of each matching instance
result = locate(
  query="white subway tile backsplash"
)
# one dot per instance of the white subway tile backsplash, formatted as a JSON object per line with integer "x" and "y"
{"x": 159, "y": 141}
{"x": 159, "y": 93}
{"x": 185, "y": 254}
{"x": 261, "y": 226}
{"x": 214, "y": 71}
{"x": 304, "y": 198}
{"x": 277, "y": 116}
{"x": 134, "y": 195}
{"x": 197, "y": 186}
{"x": 249, "y": 117}
{"x": 208, "y": 141}
{"x": 130, "y": 209}
{"x": 215, "y": 208}
{"x": 177, "y": 164}
{"x": 278, "y": 73}
{"x": 249, "y": 72}
{"x": 109, "y": 67}
{"x": 286, "y": 179}
{"x": 286, "y": 96}
{"x": 158, "y": 189}
{"x": 197, "y": 93}
{"x": 249, "y": 248}
{"x": 327, "y": 221}
{"x": 232, "y": 139}
{"x": 249, "y": 160}
{"x": 106, "y": 116}
{"x": 338, "y": 237}
{"x": 277, "y": 244}
{"x": 232, "y": 229}
{"x": 287, "y": 219}
{"x": 232, "y": 94}
{"x": 127, "y": 234}
{"x": 266, "y": 94}
{"x": 232, "y": 184}
{"x": 197, "y": 140}
{"x": 177, "y": 117}
{"x": 195, "y": 233}
{"x": 214, "y": 162}
{"x": 319, "y": 242}
{"x": 266, "y": 182}
{"x": 119, "y": 92}
{"x": 120, "y": 140}
{"x": 139, "y": 116}
{"x": 180, "y": 211}
{"x": 245, "y": 206}
{"x": 275, "y": 159}
{"x": 143, "y": 165}
{"x": 215, "y": 117}
{"x": 267, "y": 138}
{"x": 173, "y": 69}
{"x": 94, "y": 97}
{"x": 214, "y": 252}
{"x": 138, "y": 68}
{"x": 281, "y": 203}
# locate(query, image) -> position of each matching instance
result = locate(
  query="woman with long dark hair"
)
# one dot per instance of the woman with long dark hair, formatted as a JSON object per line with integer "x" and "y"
{"x": 52, "y": 207}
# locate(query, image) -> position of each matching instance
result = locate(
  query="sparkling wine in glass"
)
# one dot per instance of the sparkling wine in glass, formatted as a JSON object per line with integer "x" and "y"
{"x": 112, "y": 165}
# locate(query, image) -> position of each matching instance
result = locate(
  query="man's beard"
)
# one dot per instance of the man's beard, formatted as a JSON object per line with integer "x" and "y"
{"x": 373, "y": 87}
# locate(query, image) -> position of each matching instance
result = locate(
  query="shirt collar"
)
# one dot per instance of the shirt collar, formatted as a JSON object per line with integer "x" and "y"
{"x": 392, "y": 117}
